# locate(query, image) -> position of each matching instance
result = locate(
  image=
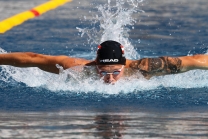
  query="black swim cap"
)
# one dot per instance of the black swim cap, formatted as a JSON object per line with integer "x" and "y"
{"x": 110, "y": 52}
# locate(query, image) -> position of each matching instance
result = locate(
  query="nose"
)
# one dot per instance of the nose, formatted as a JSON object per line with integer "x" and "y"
{"x": 110, "y": 78}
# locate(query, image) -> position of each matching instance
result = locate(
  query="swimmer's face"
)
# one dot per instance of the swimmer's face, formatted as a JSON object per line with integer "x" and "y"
{"x": 110, "y": 73}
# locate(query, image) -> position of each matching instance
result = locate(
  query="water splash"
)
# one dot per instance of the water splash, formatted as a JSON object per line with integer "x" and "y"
{"x": 114, "y": 21}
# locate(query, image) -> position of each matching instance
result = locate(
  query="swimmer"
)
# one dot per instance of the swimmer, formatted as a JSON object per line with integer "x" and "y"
{"x": 110, "y": 62}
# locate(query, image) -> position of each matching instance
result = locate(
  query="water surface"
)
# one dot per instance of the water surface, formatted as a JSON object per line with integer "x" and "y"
{"x": 35, "y": 104}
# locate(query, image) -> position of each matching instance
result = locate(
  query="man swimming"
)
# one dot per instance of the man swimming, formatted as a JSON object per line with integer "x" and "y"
{"x": 110, "y": 62}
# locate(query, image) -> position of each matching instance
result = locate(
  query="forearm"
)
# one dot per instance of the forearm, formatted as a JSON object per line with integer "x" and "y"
{"x": 16, "y": 59}
{"x": 194, "y": 62}
{"x": 28, "y": 59}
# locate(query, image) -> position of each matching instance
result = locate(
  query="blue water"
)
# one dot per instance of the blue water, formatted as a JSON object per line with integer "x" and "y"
{"x": 175, "y": 106}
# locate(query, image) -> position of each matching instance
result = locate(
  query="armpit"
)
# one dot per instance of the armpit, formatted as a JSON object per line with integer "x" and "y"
{"x": 150, "y": 66}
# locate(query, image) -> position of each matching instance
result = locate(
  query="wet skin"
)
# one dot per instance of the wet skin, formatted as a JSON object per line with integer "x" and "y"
{"x": 110, "y": 78}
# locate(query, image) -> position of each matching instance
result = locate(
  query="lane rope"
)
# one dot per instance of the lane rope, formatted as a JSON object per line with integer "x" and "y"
{"x": 20, "y": 18}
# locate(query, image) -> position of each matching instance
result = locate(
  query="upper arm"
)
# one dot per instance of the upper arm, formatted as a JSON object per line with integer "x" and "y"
{"x": 157, "y": 66}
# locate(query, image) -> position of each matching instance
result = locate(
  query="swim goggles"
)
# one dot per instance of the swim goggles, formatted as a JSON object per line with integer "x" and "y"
{"x": 114, "y": 73}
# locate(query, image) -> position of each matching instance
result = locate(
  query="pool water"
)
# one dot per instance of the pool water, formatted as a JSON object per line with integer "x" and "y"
{"x": 36, "y": 104}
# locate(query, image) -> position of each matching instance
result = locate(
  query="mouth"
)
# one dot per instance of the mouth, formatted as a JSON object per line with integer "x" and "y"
{"x": 110, "y": 82}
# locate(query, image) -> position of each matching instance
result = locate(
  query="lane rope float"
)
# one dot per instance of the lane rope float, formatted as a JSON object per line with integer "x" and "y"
{"x": 20, "y": 18}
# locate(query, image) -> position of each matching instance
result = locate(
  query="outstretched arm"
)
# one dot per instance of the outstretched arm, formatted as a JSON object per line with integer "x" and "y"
{"x": 169, "y": 65}
{"x": 44, "y": 62}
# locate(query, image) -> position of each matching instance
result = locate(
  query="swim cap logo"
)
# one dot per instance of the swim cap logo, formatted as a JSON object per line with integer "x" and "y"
{"x": 109, "y": 60}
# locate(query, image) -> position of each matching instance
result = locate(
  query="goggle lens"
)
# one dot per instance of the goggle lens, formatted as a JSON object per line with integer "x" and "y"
{"x": 103, "y": 73}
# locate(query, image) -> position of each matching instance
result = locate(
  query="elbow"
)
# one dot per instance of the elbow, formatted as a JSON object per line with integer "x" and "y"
{"x": 201, "y": 60}
{"x": 29, "y": 59}
{"x": 196, "y": 62}
{"x": 31, "y": 54}
{"x": 198, "y": 57}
